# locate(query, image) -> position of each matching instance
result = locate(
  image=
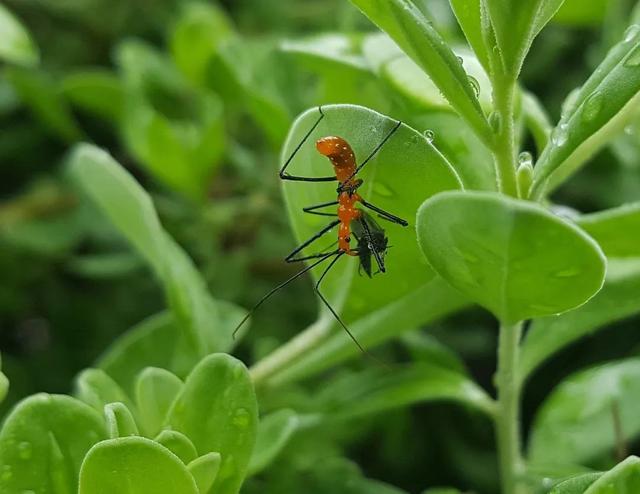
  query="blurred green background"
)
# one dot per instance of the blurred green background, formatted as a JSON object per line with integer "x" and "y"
{"x": 195, "y": 99}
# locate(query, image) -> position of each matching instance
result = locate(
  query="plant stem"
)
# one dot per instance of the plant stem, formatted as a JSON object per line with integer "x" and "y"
{"x": 504, "y": 148}
{"x": 508, "y": 416}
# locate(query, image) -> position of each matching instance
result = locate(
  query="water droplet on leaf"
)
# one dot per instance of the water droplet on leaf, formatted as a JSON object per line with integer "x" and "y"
{"x": 475, "y": 85}
{"x": 495, "y": 121}
{"x": 631, "y": 33}
{"x": 429, "y": 135}
{"x": 592, "y": 106}
{"x": 241, "y": 418}
{"x": 633, "y": 60}
{"x": 525, "y": 159}
{"x": 559, "y": 136}
{"x": 567, "y": 273}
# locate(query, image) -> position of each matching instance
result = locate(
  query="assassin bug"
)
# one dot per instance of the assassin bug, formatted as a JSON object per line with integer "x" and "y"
{"x": 352, "y": 221}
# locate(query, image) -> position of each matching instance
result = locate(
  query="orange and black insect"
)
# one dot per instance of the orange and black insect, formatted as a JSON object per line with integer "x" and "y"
{"x": 352, "y": 221}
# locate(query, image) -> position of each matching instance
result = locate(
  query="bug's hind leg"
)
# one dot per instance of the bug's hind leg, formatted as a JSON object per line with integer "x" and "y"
{"x": 291, "y": 257}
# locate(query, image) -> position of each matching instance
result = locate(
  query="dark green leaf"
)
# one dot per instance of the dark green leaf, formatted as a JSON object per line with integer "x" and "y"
{"x": 615, "y": 230}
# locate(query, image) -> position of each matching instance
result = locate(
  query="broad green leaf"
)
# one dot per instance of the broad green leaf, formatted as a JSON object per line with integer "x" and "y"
{"x": 205, "y": 470}
{"x": 615, "y": 230}
{"x": 617, "y": 300}
{"x": 516, "y": 24}
{"x": 97, "y": 91}
{"x": 622, "y": 479}
{"x": 417, "y": 37}
{"x": 580, "y": 13}
{"x": 426, "y": 304}
{"x": 179, "y": 444}
{"x": 575, "y": 485}
{"x": 512, "y": 257}
{"x": 16, "y": 45}
{"x": 576, "y": 422}
{"x": 197, "y": 37}
{"x": 97, "y": 389}
{"x": 329, "y": 49}
{"x": 156, "y": 389}
{"x": 130, "y": 209}
{"x": 120, "y": 422}
{"x": 217, "y": 410}
{"x": 43, "y": 442}
{"x": 601, "y": 108}
{"x": 376, "y": 391}
{"x": 134, "y": 465}
{"x": 274, "y": 432}
{"x": 470, "y": 14}
{"x": 41, "y": 94}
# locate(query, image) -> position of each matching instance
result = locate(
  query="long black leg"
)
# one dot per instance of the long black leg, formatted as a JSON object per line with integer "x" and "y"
{"x": 324, "y": 300}
{"x": 306, "y": 243}
{"x": 369, "y": 237}
{"x": 383, "y": 214}
{"x": 285, "y": 176}
{"x": 282, "y": 285}
{"x": 375, "y": 151}
{"x": 312, "y": 209}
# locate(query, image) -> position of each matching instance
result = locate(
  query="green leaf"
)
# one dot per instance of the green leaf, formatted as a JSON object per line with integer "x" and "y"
{"x": 580, "y": 13}
{"x": 375, "y": 391}
{"x": 328, "y": 51}
{"x": 97, "y": 389}
{"x": 43, "y": 442}
{"x": 156, "y": 389}
{"x": 623, "y": 478}
{"x": 41, "y": 94}
{"x": 274, "y": 432}
{"x": 425, "y": 348}
{"x": 16, "y": 46}
{"x": 575, "y": 485}
{"x": 97, "y": 91}
{"x": 615, "y": 230}
{"x": 130, "y": 209}
{"x": 471, "y": 14}
{"x": 600, "y": 109}
{"x": 197, "y": 37}
{"x": 512, "y": 257}
{"x": 120, "y": 422}
{"x": 416, "y": 35}
{"x": 179, "y": 444}
{"x": 205, "y": 470}
{"x": 217, "y": 410}
{"x": 617, "y": 300}
{"x": 134, "y": 465}
{"x": 576, "y": 422}
{"x": 516, "y": 24}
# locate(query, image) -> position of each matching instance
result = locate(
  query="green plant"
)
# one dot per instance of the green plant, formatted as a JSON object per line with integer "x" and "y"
{"x": 167, "y": 409}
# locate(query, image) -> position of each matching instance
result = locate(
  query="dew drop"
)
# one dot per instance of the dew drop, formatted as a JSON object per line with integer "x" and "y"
{"x": 567, "y": 273}
{"x": 592, "y": 106}
{"x": 475, "y": 85}
{"x": 525, "y": 159}
{"x": 629, "y": 130}
{"x": 631, "y": 33}
{"x": 241, "y": 418}
{"x": 633, "y": 60}
{"x": 429, "y": 135}
{"x": 460, "y": 60}
{"x": 559, "y": 136}
{"x": 495, "y": 120}
{"x": 25, "y": 450}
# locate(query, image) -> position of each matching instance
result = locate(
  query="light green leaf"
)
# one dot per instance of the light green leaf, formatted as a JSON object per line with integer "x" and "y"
{"x": 575, "y": 485}
{"x": 416, "y": 35}
{"x": 623, "y": 478}
{"x": 617, "y": 300}
{"x": 156, "y": 389}
{"x": 4, "y": 384}
{"x": 329, "y": 49}
{"x": 120, "y": 422}
{"x": 576, "y": 422}
{"x": 471, "y": 15}
{"x": 43, "y": 442}
{"x": 196, "y": 38}
{"x": 97, "y": 91}
{"x": 130, "y": 209}
{"x": 134, "y": 465}
{"x": 615, "y": 230}
{"x": 217, "y": 410}
{"x": 205, "y": 470}
{"x": 179, "y": 444}
{"x": 274, "y": 432}
{"x": 516, "y": 24}
{"x": 512, "y": 257}
{"x": 41, "y": 94}
{"x": 16, "y": 45}
{"x": 375, "y": 391}
{"x": 97, "y": 389}
{"x": 599, "y": 110}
